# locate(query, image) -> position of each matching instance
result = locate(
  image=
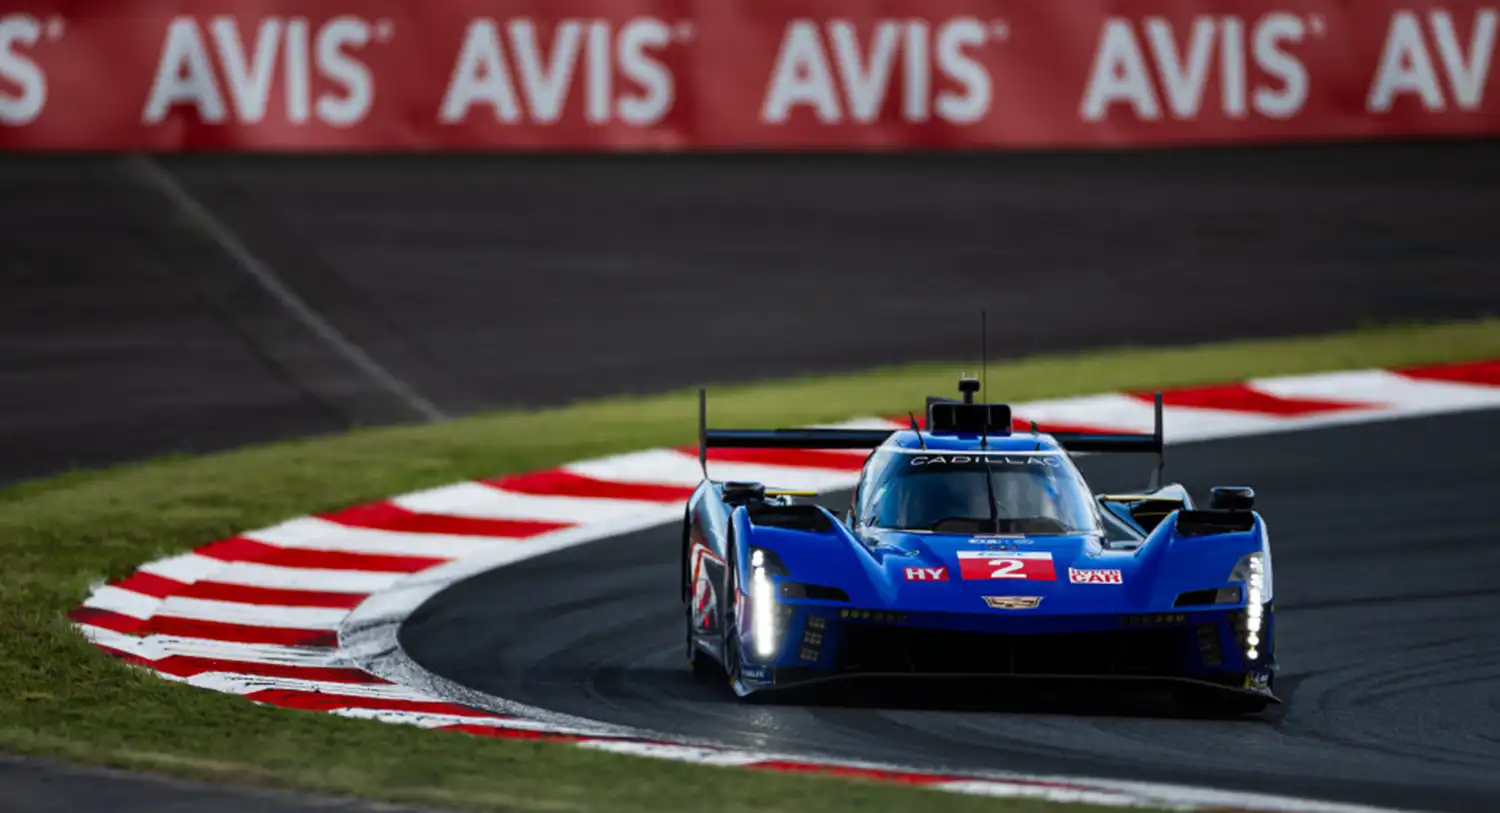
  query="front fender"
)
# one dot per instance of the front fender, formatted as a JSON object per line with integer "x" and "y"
{"x": 822, "y": 552}
{"x": 1186, "y": 557}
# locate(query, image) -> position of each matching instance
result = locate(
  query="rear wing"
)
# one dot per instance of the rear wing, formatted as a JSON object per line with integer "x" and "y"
{"x": 1106, "y": 443}
{"x": 939, "y": 410}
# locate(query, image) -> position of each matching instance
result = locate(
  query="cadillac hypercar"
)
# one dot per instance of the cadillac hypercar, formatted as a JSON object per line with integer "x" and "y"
{"x": 973, "y": 548}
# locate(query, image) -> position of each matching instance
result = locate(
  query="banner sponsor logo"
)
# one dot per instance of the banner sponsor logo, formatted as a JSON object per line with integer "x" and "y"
{"x": 504, "y": 75}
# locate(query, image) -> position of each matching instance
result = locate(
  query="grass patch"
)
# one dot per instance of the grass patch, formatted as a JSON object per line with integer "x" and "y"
{"x": 62, "y": 699}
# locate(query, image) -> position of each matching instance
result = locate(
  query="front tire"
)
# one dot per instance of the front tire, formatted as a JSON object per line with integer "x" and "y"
{"x": 732, "y": 669}
{"x": 701, "y": 664}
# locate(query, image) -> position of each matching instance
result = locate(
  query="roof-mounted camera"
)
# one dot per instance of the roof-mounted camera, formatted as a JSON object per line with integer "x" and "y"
{"x": 944, "y": 415}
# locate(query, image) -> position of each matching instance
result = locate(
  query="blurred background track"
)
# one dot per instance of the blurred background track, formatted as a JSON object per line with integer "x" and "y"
{"x": 198, "y": 303}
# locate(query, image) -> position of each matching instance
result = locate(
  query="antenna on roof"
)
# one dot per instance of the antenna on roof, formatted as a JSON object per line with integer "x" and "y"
{"x": 1161, "y": 454}
{"x": 1038, "y": 438}
{"x": 984, "y": 372}
{"x": 703, "y": 430}
{"x": 984, "y": 352}
{"x": 917, "y": 429}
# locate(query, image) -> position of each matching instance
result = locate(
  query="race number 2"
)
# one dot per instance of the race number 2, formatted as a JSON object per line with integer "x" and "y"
{"x": 1024, "y": 565}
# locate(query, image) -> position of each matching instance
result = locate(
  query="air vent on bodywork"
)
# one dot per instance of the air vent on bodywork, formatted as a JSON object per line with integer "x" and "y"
{"x": 794, "y": 517}
{"x": 813, "y": 591}
{"x": 1150, "y": 513}
{"x": 1207, "y": 523}
{"x": 1196, "y": 598}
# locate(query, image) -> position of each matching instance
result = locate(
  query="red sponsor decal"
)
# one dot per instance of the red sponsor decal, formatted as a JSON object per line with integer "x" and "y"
{"x": 1023, "y": 565}
{"x": 1077, "y": 576}
{"x": 927, "y": 574}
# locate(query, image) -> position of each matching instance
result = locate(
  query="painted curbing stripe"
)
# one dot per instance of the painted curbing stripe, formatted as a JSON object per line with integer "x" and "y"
{"x": 150, "y": 584}
{"x": 109, "y": 638}
{"x": 271, "y": 596}
{"x": 420, "y": 719}
{"x": 1485, "y": 373}
{"x": 424, "y": 720}
{"x": 156, "y": 647}
{"x": 388, "y": 516}
{"x": 272, "y": 577}
{"x": 325, "y": 701}
{"x": 864, "y": 423}
{"x": 186, "y": 568}
{"x": 512, "y": 734}
{"x": 1023, "y": 424}
{"x": 239, "y": 633}
{"x": 121, "y": 601}
{"x": 242, "y": 549}
{"x": 244, "y": 684}
{"x": 186, "y": 666}
{"x": 106, "y": 619}
{"x": 879, "y": 774}
{"x": 562, "y": 483}
{"x": 798, "y": 458}
{"x": 1243, "y": 398}
{"x": 311, "y": 534}
{"x": 676, "y": 752}
{"x": 1113, "y": 412}
{"x": 665, "y": 466}
{"x": 481, "y": 501}
{"x": 260, "y": 615}
{"x": 1386, "y": 389}
{"x": 165, "y": 646}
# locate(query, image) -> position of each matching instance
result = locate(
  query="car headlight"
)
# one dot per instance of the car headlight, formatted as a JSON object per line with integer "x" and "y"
{"x": 1251, "y": 569}
{"x": 763, "y": 602}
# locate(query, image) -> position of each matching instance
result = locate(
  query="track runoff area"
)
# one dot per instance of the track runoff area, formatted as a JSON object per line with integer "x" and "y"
{"x": 305, "y": 614}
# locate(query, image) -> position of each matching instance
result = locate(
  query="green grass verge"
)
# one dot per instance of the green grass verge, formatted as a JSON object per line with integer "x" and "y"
{"x": 60, "y": 698}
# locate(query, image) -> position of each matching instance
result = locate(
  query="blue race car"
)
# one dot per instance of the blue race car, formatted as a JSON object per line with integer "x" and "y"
{"x": 975, "y": 549}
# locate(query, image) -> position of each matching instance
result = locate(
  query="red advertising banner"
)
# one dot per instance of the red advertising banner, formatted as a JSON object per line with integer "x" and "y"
{"x": 381, "y": 75}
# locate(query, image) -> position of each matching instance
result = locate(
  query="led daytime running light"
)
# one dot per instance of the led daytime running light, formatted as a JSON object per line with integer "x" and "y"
{"x": 762, "y": 612}
{"x": 1255, "y": 582}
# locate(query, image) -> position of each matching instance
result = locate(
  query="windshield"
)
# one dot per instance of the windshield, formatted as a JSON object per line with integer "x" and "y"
{"x": 979, "y": 493}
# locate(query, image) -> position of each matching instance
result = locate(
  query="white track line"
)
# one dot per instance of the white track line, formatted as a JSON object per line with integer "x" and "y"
{"x": 199, "y": 215}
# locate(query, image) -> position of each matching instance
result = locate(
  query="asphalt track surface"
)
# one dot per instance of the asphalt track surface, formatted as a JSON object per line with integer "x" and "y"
{"x": 130, "y": 326}
{"x": 129, "y": 329}
{"x": 1388, "y": 582}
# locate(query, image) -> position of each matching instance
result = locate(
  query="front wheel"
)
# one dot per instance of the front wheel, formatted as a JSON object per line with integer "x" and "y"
{"x": 732, "y": 667}
{"x": 702, "y": 665}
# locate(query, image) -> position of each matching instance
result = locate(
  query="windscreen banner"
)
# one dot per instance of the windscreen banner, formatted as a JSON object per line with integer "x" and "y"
{"x": 713, "y": 75}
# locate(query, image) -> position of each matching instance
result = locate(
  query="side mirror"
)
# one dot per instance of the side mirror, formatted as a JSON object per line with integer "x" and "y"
{"x": 1231, "y": 498}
